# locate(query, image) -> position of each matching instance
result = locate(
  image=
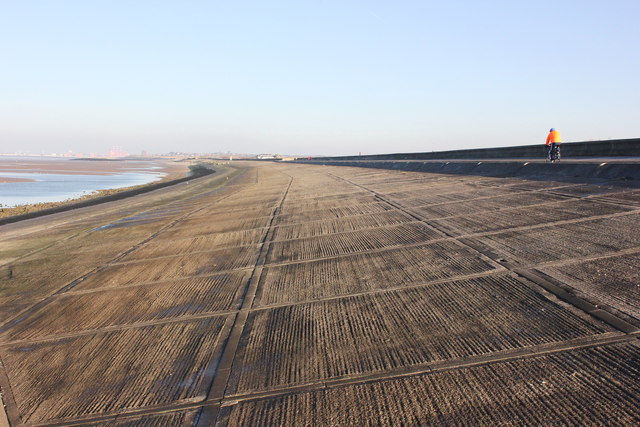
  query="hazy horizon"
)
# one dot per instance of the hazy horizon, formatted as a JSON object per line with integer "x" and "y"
{"x": 324, "y": 78}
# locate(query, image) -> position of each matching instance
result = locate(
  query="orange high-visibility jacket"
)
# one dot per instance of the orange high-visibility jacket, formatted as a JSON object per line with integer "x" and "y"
{"x": 554, "y": 136}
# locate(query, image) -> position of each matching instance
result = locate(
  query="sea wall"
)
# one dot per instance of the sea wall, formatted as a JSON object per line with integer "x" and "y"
{"x": 607, "y": 148}
{"x": 613, "y": 159}
{"x": 618, "y": 171}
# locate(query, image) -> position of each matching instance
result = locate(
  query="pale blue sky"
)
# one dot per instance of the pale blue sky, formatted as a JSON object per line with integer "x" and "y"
{"x": 314, "y": 77}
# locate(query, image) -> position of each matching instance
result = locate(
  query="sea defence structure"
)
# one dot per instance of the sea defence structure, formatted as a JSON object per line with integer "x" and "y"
{"x": 612, "y": 159}
{"x": 588, "y": 149}
{"x": 310, "y": 294}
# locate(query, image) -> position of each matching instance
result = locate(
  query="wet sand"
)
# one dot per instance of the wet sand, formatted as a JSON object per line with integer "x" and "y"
{"x": 6, "y": 179}
{"x": 172, "y": 170}
{"x": 88, "y": 167}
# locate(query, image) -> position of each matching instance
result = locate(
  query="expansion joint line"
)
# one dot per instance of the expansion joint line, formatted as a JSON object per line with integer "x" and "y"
{"x": 10, "y": 322}
{"x": 221, "y": 366}
{"x": 435, "y": 367}
{"x": 31, "y": 309}
{"x": 59, "y": 241}
{"x": 546, "y": 283}
{"x": 44, "y": 248}
{"x": 365, "y": 378}
{"x": 7, "y": 399}
{"x": 8, "y": 406}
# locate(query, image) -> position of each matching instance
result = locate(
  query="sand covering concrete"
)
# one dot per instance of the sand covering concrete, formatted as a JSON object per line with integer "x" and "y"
{"x": 321, "y": 295}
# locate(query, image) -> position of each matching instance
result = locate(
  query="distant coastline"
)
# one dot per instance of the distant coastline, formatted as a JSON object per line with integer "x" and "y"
{"x": 4, "y": 179}
{"x": 18, "y": 175}
{"x": 98, "y": 159}
{"x": 41, "y": 209}
{"x": 41, "y": 206}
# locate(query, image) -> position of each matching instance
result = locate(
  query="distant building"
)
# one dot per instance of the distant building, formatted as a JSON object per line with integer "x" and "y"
{"x": 266, "y": 156}
{"x": 116, "y": 151}
{"x": 72, "y": 153}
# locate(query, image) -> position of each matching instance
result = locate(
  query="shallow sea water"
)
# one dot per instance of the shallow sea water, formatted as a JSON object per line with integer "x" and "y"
{"x": 59, "y": 187}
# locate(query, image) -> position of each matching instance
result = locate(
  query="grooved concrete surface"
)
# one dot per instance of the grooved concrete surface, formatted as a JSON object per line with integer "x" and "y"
{"x": 292, "y": 294}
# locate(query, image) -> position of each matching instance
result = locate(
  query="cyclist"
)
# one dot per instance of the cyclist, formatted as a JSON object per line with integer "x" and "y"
{"x": 553, "y": 142}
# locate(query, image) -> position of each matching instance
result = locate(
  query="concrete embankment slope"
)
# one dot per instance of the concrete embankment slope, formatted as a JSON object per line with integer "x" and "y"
{"x": 321, "y": 295}
{"x": 615, "y": 159}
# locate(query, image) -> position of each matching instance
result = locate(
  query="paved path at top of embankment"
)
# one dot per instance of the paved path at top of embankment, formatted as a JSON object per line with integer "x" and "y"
{"x": 325, "y": 295}
{"x": 587, "y": 160}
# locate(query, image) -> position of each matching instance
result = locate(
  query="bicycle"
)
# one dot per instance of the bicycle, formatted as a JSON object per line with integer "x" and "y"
{"x": 554, "y": 153}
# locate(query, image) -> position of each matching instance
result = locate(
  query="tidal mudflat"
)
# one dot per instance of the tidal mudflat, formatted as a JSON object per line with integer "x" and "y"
{"x": 34, "y": 180}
